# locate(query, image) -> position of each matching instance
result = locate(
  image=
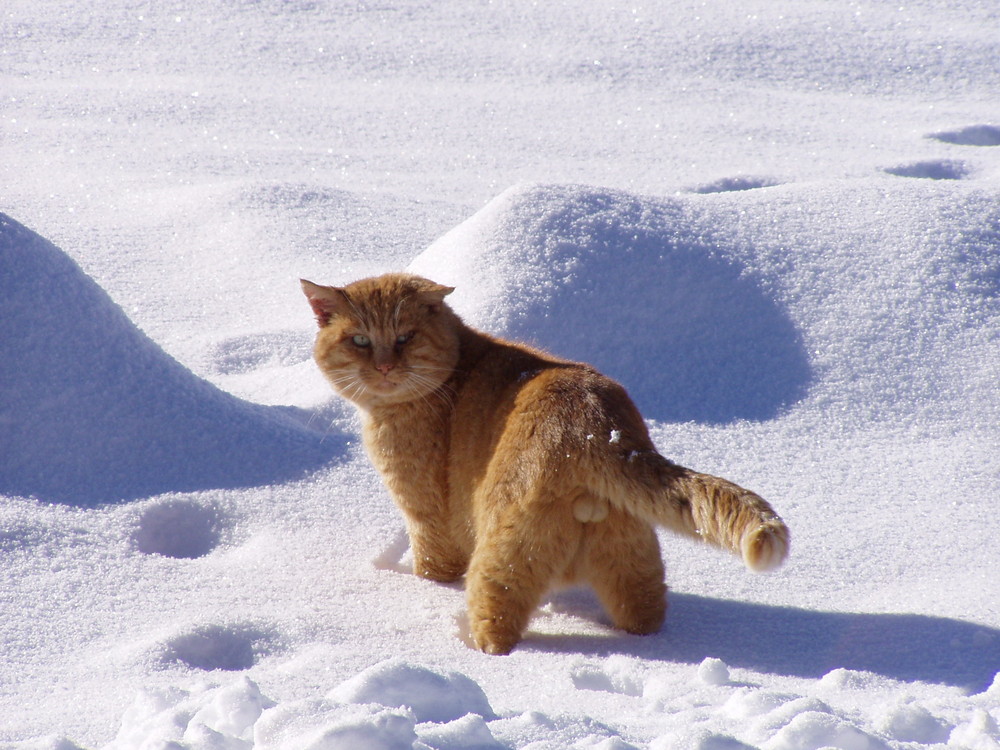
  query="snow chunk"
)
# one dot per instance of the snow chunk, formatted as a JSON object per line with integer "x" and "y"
{"x": 220, "y": 718}
{"x": 850, "y": 679}
{"x": 429, "y": 695}
{"x": 713, "y": 672}
{"x": 813, "y": 730}
{"x": 318, "y": 725}
{"x": 603, "y": 743}
{"x": 48, "y": 742}
{"x": 233, "y": 708}
{"x": 771, "y": 721}
{"x": 697, "y": 739}
{"x": 994, "y": 688}
{"x": 613, "y": 676}
{"x": 909, "y": 722}
{"x": 468, "y": 733}
{"x": 981, "y": 733}
{"x": 748, "y": 703}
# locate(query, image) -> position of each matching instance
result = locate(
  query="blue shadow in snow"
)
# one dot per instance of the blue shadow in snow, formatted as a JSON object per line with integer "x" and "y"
{"x": 683, "y": 326}
{"x": 92, "y": 411}
{"x": 801, "y": 642}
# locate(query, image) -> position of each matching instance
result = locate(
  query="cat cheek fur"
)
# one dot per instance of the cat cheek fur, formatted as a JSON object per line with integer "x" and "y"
{"x": 518, "y": 469}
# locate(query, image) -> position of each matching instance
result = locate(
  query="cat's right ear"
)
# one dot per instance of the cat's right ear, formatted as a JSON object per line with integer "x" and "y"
{"x": 326, "y": 301}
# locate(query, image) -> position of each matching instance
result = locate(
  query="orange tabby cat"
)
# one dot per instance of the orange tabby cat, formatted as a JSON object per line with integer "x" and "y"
{"x": 517, "y": 469}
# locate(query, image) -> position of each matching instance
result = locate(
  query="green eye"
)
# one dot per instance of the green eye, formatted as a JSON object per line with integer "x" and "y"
{"x": 361, "y": 340}
{"x": 403, "y": 338}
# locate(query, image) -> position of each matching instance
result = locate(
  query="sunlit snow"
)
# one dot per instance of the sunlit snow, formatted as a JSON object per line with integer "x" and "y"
{"x": 776, "y": 223}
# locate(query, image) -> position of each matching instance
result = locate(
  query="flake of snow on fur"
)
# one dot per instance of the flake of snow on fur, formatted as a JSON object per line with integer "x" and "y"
{"x": 431, "y": 696}
{"x": 616, "y": 437}
{"x": 713, "y": 672}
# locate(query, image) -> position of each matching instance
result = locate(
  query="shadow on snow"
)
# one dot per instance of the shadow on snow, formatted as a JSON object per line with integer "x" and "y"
{"x": 92, "y": 411}
{"x": 801, "y": 642}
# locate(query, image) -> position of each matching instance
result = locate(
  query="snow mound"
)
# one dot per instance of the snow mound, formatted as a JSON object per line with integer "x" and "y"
{"x": 853, "y": 714}
{"x": 429, "y": 695}
{"x": 94, "y": 412}
{"x": 386, "y": 707}
{"x": 746, "y": 304}
{"x": 216, "y": 717}
{"x": 316, "y": 725}
{"x": 627, "y": 284}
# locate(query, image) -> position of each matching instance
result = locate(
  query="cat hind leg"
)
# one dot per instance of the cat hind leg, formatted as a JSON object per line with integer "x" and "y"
{"x": 622, "y": 564}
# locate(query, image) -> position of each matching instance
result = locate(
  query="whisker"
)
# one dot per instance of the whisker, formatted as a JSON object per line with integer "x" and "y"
{"x": 431, "y": 368}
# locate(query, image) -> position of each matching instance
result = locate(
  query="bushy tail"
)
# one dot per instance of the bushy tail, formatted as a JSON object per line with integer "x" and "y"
{"x": 701, "y": 506}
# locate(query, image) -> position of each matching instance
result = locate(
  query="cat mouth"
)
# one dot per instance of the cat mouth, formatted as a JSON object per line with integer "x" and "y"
{"x": 386, "y": 384}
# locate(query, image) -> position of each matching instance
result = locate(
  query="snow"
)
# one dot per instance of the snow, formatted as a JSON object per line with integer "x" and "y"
{"x": 777, "y": 223}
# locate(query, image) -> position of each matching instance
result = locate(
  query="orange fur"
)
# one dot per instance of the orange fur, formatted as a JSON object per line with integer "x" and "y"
{"x": 517, "y": 469}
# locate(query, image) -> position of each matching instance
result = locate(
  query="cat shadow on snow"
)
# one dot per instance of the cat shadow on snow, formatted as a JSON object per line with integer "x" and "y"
{"x": 793, "y": 641}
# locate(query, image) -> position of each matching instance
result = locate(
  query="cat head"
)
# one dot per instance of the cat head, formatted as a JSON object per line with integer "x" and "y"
{"x": 384, "y": 340}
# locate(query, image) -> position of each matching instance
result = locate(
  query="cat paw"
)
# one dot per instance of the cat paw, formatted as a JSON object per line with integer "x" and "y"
{"x": 491, "y": 638}
{"x": 435, "y": 557}
{"x": 766, "y": 547}
{"x": 496, "y": 647}
{"x": 435, "y": 570}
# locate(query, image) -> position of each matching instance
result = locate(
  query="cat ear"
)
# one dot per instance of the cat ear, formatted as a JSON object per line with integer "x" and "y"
{"x": 433, "y": 295}
{"x": 326, "y": 301}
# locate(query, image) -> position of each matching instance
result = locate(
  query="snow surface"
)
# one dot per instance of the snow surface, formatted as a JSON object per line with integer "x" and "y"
{"x": 778, "y": 223}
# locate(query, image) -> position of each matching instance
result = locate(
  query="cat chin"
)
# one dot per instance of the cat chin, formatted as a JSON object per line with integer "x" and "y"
{"x": 383, "y": 394}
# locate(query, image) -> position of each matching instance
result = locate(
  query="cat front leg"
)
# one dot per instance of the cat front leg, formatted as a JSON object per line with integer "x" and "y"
{"x": 517, "y": 557}
{"x": 435, "y": 555}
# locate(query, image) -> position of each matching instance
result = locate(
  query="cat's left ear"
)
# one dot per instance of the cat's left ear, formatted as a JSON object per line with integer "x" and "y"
{"x": 326, "y": 301}
{"x": 433, "y": 295}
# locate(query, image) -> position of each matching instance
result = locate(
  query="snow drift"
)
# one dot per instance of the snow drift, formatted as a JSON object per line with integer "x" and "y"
{"x": 744, "y": 303}
{"x": 93, "y": 411}
{"x": 627, "y": 284}
{"x": 814, "y": 190}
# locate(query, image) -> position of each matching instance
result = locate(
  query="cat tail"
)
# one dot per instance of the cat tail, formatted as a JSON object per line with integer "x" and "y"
{"x": 701, "y": 506}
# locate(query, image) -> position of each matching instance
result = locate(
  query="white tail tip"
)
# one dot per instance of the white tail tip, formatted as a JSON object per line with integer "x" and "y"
{"x": 766, "y": 547}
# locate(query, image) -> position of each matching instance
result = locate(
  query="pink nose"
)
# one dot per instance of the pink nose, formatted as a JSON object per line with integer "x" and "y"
{"x": 385, "y": 368}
